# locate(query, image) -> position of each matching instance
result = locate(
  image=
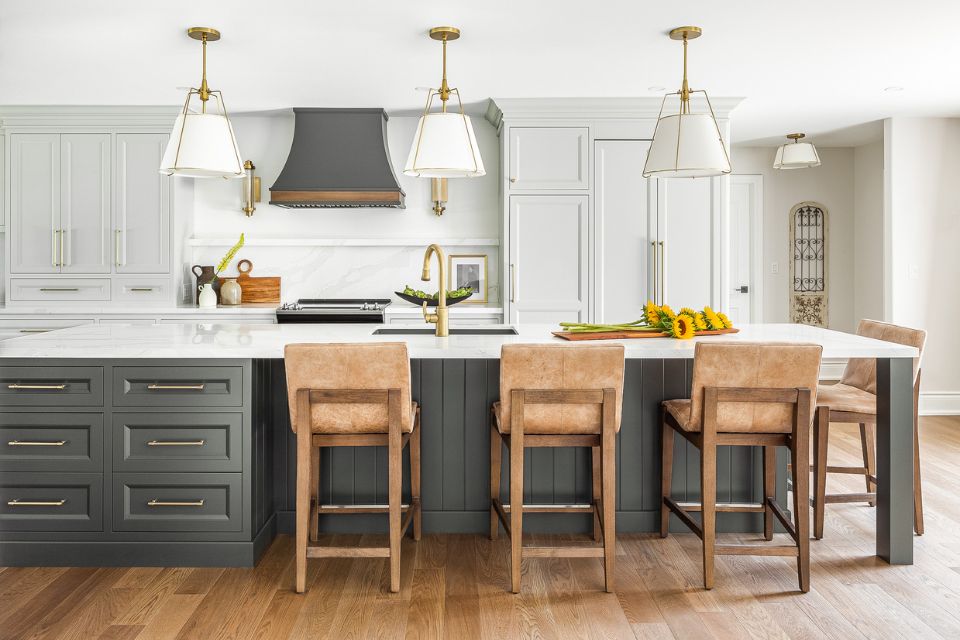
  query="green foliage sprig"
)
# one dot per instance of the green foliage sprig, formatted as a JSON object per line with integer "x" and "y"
{"x": 227, "y": 259}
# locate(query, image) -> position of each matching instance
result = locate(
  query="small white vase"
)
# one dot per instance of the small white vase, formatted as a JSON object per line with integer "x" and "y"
{"x": 208, "y": 297}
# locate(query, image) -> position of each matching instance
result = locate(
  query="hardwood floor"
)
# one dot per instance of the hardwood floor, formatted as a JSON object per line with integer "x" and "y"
{"x": 458, "y": 586}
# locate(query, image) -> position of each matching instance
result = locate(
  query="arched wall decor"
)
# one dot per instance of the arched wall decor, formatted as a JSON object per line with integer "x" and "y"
{"x": 808, "y": 264}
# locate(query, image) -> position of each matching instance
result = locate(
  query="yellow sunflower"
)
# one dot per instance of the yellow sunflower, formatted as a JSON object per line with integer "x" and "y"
{"x": 687, "y": 311}
{"x": 699, "y": 321}
{"x": 682, "y": 327}
{"x": 725, "y": 320}
{"x": 652, "y": 313}
{"x": 712, "y": 318}
{"x": 667, "y": 312}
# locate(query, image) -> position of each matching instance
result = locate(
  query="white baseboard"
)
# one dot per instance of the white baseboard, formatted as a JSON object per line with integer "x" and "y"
{"x": 940, "y": 403}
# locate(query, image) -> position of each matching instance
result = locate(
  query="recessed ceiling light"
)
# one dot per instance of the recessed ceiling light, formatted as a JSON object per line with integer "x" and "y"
{"x": 655, "y": 88}
{"x": 893, "y": 89}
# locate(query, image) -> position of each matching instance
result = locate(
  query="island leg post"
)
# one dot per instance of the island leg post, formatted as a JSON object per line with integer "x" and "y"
{"x": 895, "y": 460}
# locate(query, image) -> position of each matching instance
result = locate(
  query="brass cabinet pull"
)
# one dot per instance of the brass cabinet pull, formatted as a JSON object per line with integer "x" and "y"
{"x": 36, "y": 443}
{"x": 48, "y": 387}
{"x": 47, "y": 289}
{"x": 35, "y": 330}
{"x": 513, "y": 179}
{"x": 653, "y": 260}
{"x": 176, "y": 387}
{"x": 36, "y": 503}
{"x": 53, "y": 247}
{"x": 63, "y": 241}
{"x": 163, "y": 503}
{"x": 663, "y": 280}
{"x": 176, "y": 443}
{"x": 141, "y": 288}
{"x": 116, "y": 247}
{"x": 513, "y": 283}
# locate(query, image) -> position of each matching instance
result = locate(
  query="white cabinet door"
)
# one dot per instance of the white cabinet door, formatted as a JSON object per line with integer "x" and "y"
{"x": 622, "y": 230}
{"x": 34, "y": 202}
{"x": 85, "y": 203}
{"x": 548, "y": 274}
{"x": 549, "y": 158}
{"x": 685, "y": 248}
{"x": 141, "y": 214}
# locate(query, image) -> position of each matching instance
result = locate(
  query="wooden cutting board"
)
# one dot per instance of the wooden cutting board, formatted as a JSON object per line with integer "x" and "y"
{"x": 265, "y": 289}
{"x": 629, "y": 335}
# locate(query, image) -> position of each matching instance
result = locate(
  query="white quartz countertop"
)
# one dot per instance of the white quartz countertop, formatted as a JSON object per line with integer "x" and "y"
{"x": 212, "y": 340}
{"x": 264, "y": 309}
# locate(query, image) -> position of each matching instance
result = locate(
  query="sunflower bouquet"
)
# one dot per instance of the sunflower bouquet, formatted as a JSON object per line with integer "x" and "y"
{"x": 682, "y": 325}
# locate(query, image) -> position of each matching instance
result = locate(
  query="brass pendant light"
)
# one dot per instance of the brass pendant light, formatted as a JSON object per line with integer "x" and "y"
{"x": 686, "y": 144}
{"x": 202, "y": 144}
{"x": 796, "y": 154}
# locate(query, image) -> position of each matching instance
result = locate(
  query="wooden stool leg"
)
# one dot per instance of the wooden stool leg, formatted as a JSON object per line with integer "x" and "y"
{"x": 917, "y": 489}
{"x": 608, "y": 464}
{"x": 597, "y": 498}
{"x": 708, "y": 492}
{"x": 666, "y": 476}
{"x": 304, "y": 447}
{"x": 800, "y": 459}
{"x": 415, "y": 502}
{"x": 496, "y": 461}
{"x": 821, "y": 436}
{"x": 516, "y": 491}
{"x": 868, "y": 446}
{"x": 314, "y": 492}
{"x": 769, "y": 489}
{"x": 394, "y": 485}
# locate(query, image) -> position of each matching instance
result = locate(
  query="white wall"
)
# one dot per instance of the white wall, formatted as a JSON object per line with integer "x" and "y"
{"x": 923, "y": 218}
{"x": 868, "y": 231}
{"x": 347, "y": 271}
{"x": 832, "y": 185}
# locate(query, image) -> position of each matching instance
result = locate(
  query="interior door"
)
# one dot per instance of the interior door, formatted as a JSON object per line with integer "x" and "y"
{"x": 744, "y": 265}
{"x": 34, "y": 202}
{"x": 548, "y": 267}
{"x": 684, "y": 259}
{"x": 622, "y": 229}
{"x": 85, "y": 203}
{"x": 141, "y": 223}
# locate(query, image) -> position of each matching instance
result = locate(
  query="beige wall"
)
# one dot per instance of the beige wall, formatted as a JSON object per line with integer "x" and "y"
{"x": 832, "y": 185}
{"x": 868, "y": 231}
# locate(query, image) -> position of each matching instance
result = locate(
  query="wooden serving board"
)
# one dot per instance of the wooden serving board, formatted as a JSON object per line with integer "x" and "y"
{"x": 629, "y": 335}
{"x": 265, "y": 289}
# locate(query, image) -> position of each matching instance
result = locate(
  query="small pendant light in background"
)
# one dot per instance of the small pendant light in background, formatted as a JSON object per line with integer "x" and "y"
{"x": 796, "y": 154}
{"x": 202, "y": 144}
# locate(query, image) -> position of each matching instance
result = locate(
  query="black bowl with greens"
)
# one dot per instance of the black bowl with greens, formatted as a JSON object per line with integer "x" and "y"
{"x": 418, "y": 297}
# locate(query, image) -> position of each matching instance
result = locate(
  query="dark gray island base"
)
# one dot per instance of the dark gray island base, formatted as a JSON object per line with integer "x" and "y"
{"x": 192, "y": 462}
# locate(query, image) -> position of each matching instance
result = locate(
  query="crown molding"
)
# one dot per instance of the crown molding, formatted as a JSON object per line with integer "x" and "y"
{"x": 639, "y": 108}
{"x": 42, "y": 116}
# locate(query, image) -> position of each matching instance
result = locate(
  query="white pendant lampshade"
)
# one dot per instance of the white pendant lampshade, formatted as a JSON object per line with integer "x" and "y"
{"x": 796, "y": 154}
{"x": 686, "y": 144}
{"x": 444, "y": 146}
{"x": 202, "y": 143}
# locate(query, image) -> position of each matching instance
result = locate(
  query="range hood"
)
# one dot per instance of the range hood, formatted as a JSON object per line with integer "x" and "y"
{"x": 339, "y": 158}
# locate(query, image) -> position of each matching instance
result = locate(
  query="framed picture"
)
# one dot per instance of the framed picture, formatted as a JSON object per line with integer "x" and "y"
{"x": 470, "y": 271}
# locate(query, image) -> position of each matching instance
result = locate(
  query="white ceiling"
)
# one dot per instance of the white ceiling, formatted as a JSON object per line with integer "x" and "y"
{"x": 819, "y": 66}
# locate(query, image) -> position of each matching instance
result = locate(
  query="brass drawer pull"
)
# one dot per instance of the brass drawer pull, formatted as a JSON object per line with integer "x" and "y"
{"x": 35, "y": 330}
{"x": 176, "y": 387}
{"x": 141, "y": 288}
{"x": 36, "y": 443}
{"x": 161, "y": 503}
{"x": 47, "y": 387}
{"x": 49, "y": 289}
{"x": 176, "y": 443}
{"x": 36, "y": 503}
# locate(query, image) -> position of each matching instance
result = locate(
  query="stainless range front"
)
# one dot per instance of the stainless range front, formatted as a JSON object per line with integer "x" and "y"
{"x": 334, "y": 311}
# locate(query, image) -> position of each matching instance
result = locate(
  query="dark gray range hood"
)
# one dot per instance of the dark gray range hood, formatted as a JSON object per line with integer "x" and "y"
{"x": 339, "y": 158}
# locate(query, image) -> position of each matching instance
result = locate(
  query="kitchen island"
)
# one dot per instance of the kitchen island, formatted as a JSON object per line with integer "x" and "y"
{"x": 176, "y": 447}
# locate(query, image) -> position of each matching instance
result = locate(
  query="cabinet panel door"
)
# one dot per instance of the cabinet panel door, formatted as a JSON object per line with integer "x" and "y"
{"x": 622, "y": 230}
{"x": 548, "y": 258}
{"x": 85, "y": 203}
{"x": 34, "y": 202}
{"x": 549, "y": 157}
{"x": 142, "y": 211}
{"x": 685, "y": 229}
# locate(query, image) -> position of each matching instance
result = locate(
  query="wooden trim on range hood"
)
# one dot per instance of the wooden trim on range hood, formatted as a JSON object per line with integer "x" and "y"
{"x": 305, "y": 199}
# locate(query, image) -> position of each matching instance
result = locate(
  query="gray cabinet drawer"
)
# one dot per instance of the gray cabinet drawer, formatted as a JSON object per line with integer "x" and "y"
{"x": 177, "y": 441}
{"x": 51, "y": 442}
{"x": 51, "y": 386}
{"x": 178, "y": 386}
{"x": 177, "y": 502}
{"x": 51, "y": 502}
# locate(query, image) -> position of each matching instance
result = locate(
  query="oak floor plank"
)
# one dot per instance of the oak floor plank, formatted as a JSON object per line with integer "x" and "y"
{"x": 97, "y": 615}
{"x": 28, "y": 618}
{"x": 325, "y": 580}
{"x": 361, "y": 587}
{"x": 200, "y": 581}
{"x": 172, "y": 615}
{"x": 121, "y": 632}
{"x": 425, "y": 618}
{"x": 257, "y": 597}
{"x": 462, "y": 596}
{"x": 152, "y": 595}
{"x": 280, "y": 617}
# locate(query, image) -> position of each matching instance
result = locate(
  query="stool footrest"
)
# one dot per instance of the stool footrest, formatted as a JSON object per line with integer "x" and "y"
{"x": 756, "y": 550}
{"x": 572, "y": 551}
{"x": 348, "y": 552}
{"x": 859, "y": 471}
{"x": 727, "y": 507}
{"x": 832, "y": 498}
{"x": 554, "y": 508}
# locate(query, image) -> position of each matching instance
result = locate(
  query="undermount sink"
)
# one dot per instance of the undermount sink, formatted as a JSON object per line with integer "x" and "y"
{"x": 459, "y": 331}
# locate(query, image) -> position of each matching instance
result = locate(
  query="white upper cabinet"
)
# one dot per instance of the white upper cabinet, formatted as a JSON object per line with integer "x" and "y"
{"x": 34, "y": 203}
{"x": 548, "y": 158}
{"x": 141, "y": 224}
{"x": 84, "y": 203}
{"x": 548, "y": 259}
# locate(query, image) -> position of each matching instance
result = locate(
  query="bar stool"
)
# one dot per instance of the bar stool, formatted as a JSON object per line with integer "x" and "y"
{"x": 557, "y": 396}
{"x": 746, "y": 394}
{"x": 854, "y": 399}
{"x": 352, "y": 395}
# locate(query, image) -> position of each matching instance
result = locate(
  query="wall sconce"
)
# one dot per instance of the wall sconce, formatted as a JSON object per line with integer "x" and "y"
{"x": 438, "y": 191}
{"x": 251, "y": 189}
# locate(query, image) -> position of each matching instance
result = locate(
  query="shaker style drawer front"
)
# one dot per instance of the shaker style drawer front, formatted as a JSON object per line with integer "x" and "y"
{"x": 55, "y": 289}
{"x": 143, "y": 291}
{"x": 177, "y": 502}
{"x": 51, "y": 442}
{"x": 178, "y": 386}
{"x": 177, "y": 441}
{"x": 51, "y": 502}
{"x": 51, "y": 386}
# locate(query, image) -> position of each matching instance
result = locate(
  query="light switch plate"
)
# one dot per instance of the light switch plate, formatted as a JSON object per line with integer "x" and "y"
{"x": 774, "y": 268}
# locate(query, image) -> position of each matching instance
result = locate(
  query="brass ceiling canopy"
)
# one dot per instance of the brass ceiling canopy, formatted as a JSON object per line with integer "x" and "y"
{"x": 445, "y": 33}
{"x": 686, "y": 33}
{"x": 204, "y": 33}
{"x": 796, "y": 136}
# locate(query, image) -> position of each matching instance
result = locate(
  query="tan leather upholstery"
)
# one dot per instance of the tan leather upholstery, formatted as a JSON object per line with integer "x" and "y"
{"x": 753, "y": 366}
{"x": 861, "y": 373}
{"x": 556, "y": 366}
{"x": 349, "y": 366}
{"x": 843, "y": 397}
